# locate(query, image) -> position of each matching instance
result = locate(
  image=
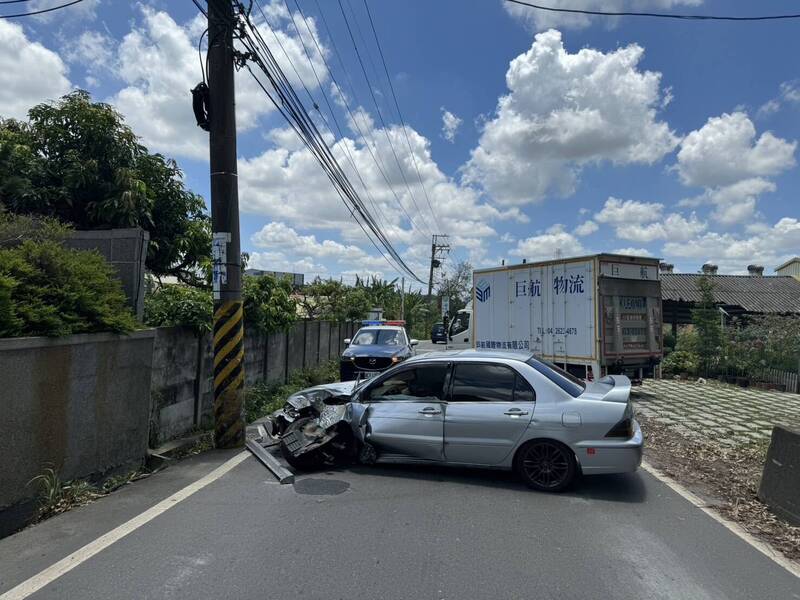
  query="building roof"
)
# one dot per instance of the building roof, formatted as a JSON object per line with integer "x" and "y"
{"x": 770, "y": 294}
{"x": 788, "y": 262}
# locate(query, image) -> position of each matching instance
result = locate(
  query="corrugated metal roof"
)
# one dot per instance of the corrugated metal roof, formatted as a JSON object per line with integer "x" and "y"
{"x": 769, "y": 294}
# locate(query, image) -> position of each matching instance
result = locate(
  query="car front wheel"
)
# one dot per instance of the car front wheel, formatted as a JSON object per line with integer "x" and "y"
{"x": 546, "y": 465}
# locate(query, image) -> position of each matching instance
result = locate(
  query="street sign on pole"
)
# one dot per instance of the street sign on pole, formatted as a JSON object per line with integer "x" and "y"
{"x": 445, "y": 305}
{"x": 229, "y": 430}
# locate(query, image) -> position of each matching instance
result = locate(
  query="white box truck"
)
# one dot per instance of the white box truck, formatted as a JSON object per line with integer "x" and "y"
{"x": 592, "y": 315}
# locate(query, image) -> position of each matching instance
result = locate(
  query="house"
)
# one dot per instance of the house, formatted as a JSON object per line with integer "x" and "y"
{"x": 791, "y": 267}
{"x": 736, "y": 295}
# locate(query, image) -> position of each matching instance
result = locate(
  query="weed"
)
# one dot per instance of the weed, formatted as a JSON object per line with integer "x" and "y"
{"x": 56, "y": 497}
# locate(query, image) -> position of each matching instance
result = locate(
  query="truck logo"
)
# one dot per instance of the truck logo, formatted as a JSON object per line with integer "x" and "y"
{"x": 483, "y": 290}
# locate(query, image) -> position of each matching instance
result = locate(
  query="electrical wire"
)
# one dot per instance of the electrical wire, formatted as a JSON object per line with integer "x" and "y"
{"x": 380, "y": 116}
{"x": 368, "y": 136}
{"x": 289, "y": 105}
{"x": 200, "y": 54}
{"x": 400, "y": 114}
{"x": 654, "y": 15}
{"x": 41, "y": 11}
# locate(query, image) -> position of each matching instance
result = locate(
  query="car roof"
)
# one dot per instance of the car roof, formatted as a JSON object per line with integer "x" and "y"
{"x": 472, "y": 354}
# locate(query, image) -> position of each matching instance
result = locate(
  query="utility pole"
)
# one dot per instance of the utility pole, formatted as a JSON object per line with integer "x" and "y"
{"x": 439, "y": 249}
{"x": 229, "y": 426}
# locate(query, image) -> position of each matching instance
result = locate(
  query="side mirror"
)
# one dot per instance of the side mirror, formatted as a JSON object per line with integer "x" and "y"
{"x": 414, "y": 342}
{"x": 346, "y": 341}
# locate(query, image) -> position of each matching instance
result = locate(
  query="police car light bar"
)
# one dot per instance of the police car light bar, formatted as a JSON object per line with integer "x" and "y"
{"x": 372, "y": 322}
{"x": 398, "y": 323}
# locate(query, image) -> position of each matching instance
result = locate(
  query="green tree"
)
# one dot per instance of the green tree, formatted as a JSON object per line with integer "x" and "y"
{"x": 78, "y": 161}
{"x": 332, "y": 300}
{"x": 268, "y": 303}
{"x": 706, "y": 320}
{"x": 179, "y": 305}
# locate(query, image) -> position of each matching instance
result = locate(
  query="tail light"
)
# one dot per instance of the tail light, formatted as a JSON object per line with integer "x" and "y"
{"x": 623, "y": 429}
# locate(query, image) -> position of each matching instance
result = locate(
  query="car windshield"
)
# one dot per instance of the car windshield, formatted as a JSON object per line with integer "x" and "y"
{"x": 566, "y": 381}
{"x": 460, "y": 323}
{"x": 380, "y": 337}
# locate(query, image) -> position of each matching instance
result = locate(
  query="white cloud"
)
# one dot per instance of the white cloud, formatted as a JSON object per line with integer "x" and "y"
{"x": 564, "y": 111}
{"x": 623, "y": 212}
{"x": 726, "y": 158}
{"x": 674, "y": 227}
{"x": 158, "y": 61}
{"x": 93, "y": 49}
{"x": 84, "y": 11}
{"x": 450, "y": 125}
{"x": 633, "y": 251}
{"x": 789, "y": 95}
{"x": 29, "y": 72}
{"x": 586, "y": 228}
{"x": 538, "y": 19}
{"x": 554, "y": 241}
{"x": 768, "y": 246}
{"x": 725, "y": 150}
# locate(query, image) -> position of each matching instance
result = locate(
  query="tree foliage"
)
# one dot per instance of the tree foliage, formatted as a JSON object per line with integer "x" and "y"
{"x": 706, "y": 320}
{"x": 76, "y": 160}
{"x": 179, "y": 305}
{"x": 46, "y": 289}
{"x": 268, "y": 303}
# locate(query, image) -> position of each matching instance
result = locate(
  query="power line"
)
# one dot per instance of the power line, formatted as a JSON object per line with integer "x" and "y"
{"x": 291, "y": 108}
{"x": 368, "y": 136}
{"x": 400, "y": 114}
{"x": 654, "y": 15}
{"x": 380, "y": 116}
{"x": 38, "y": 12}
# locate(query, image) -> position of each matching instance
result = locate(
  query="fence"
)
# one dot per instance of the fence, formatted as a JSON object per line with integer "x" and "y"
{"x": 786, "y": 380}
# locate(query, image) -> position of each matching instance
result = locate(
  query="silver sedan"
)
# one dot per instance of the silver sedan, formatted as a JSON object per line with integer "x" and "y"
{"x": 478, "y": 409}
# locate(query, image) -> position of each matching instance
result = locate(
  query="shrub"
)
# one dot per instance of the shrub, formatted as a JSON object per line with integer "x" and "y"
{"x": 173, "y": 305}
{"x": 681, "y": 361}
{"x": 55, "y": 291}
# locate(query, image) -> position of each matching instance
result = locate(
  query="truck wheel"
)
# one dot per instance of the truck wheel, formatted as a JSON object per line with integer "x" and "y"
{"x": 546, "y": 465}
{"x": 309, "y": 461}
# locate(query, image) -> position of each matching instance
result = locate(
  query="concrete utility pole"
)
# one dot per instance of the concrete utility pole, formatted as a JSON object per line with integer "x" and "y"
{"x": 439, "y": 249}
{"x": 229, "y": 426}
{"x": 402, "y": 298}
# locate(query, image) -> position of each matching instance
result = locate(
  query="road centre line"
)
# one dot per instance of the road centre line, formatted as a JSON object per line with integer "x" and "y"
{"x": 734, "y": 528}
{"x": 66, "y": 564}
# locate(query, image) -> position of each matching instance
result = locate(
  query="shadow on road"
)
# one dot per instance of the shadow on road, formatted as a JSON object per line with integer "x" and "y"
{"x": 627, "y": 488}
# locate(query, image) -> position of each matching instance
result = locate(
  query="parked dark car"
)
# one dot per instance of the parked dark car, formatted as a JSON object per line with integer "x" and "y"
{"x": 375, "y": 348}
{"x": 438, "y": 333}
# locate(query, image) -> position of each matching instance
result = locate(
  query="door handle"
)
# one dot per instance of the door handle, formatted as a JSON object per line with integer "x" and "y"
{"x": 429, "y": 410}
{"x": 515, "y": 412}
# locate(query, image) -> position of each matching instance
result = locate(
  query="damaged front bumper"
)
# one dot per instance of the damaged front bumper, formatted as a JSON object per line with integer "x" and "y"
{"x": 320, "y": 426}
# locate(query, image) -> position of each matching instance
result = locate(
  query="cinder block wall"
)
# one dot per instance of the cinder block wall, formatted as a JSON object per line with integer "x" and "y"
{"x": 126, "y": 250}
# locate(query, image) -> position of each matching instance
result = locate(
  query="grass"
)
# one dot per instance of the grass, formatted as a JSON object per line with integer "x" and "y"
{"x": 56, "y": 496}
{"x": 264, "y": 398}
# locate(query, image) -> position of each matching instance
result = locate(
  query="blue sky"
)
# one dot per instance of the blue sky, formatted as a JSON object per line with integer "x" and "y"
{"x": 534, "y": 134}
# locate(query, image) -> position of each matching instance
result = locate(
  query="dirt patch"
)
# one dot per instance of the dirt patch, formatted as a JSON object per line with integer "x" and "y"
{"x": 726, "y": 477}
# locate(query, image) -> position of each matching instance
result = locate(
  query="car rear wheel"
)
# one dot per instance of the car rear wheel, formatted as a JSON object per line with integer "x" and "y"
{"x": 546, "y": 465}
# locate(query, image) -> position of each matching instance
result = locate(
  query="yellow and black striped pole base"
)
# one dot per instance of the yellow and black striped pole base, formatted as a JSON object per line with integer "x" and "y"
{"x": 229, "y": 428}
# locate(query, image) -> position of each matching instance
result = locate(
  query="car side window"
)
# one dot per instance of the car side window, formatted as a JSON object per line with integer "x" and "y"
{"x": 523, "y": 392}
{"x": 422, "y": 383}
{"x": 483, "y": 383}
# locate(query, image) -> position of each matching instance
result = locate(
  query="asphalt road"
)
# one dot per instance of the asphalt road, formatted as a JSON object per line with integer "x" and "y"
{"x": 396, "y": 533}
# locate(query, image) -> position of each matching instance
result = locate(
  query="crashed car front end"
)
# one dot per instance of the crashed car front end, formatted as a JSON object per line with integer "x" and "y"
{"x": 320, "y": 426}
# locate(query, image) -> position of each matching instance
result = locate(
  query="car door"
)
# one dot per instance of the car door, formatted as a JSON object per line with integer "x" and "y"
{"x": 405, "y": 412}
{"x": 489, "y": 408}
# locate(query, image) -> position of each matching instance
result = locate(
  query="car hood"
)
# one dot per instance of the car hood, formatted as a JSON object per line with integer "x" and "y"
{"x": 320, "y": 392}
{"x": 373, "y": 350}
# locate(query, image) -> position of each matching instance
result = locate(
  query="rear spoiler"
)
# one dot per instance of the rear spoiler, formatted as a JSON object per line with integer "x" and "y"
{"x": 621, "y": 390}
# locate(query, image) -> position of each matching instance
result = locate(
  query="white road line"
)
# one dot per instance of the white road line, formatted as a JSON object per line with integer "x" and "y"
{"x": 65, "y": 565}
{"x": 734, "y": 528}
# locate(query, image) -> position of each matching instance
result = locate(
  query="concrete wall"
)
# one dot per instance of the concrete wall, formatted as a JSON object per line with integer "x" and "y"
{"x": 780, "y": 482}
{"x": 126, "y": 250}
{"x": 182, "y": 388}
{"x": 80, "y": 404}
